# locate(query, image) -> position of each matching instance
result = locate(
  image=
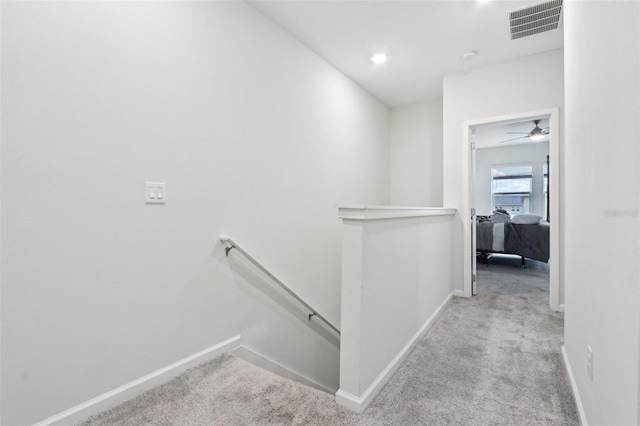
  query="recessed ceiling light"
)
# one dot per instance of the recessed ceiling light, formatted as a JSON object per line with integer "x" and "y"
{"x": 380, "y": 58}
{"x": 468, "y": 55}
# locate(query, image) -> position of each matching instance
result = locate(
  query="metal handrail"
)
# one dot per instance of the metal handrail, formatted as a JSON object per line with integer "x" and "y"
{"x": 234, "y": 245}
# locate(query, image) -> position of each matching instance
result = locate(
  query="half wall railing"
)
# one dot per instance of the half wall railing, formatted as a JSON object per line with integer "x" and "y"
{"x": 397, "y": 276}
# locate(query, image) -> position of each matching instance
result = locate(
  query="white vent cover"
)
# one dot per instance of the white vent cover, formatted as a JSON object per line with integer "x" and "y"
{"x": 535, "y": 19}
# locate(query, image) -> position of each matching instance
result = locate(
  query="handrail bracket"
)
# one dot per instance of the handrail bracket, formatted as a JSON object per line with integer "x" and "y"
{"x": 228, "y": 249}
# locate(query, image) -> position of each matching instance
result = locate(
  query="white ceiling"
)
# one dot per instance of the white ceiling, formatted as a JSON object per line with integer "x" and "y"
{"x": 425, "y": 39}
{"x": 492, "y": 135}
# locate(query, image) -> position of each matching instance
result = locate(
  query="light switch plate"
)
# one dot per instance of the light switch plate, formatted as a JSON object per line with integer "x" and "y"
{"x": 155, "y": 193}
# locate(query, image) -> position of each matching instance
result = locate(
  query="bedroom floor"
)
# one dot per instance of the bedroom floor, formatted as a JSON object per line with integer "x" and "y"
{"x": 493, "y": 359}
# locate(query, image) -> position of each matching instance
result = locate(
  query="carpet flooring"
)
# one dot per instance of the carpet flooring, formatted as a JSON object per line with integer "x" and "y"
{"x": 493, "y": 359}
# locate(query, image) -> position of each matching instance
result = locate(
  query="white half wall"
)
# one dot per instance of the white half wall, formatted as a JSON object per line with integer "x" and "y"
{"x": 486, "y": 158}
{"x": 520, "y": 86}
{"x": 396, "y": 279}
{"x": 416, "y": 155}
{"x": 255, "y": 136}
{"x": 602, "y": 201}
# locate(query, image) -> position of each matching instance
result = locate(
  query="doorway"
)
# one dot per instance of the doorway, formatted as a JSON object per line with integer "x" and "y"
{"x": 551, "y": 116}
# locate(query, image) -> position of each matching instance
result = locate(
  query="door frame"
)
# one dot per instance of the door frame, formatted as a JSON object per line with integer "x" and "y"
{"x": 469, "y": 260}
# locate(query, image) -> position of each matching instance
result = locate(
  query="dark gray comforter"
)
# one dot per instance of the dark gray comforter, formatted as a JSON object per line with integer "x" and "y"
{"x": 531, "y": 241}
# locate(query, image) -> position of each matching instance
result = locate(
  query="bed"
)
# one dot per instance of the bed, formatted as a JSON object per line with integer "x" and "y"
{"x": 525, "y": 240}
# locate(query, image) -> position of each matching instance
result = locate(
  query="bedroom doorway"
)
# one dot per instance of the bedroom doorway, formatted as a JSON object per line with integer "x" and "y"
{"x": 509, "y": 186}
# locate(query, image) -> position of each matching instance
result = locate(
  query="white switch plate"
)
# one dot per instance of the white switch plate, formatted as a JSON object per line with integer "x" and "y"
{"x": 155, "y": 193}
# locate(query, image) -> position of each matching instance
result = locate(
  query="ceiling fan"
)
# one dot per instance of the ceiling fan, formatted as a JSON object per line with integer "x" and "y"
{"x": 536, "y": 135}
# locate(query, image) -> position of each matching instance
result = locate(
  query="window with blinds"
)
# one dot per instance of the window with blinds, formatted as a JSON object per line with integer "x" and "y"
{"x": 511, "y": 188}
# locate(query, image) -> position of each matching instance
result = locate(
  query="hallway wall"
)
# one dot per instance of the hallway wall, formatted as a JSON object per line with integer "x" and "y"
{"x": 416, "y": 155}
{"x": 255, "y": 136}
{"x": 603, "y": 207}
{"x": 523, "y": 85}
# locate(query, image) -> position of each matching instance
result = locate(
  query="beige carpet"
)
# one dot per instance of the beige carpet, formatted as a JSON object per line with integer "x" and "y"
{"x": 491, "y": 360}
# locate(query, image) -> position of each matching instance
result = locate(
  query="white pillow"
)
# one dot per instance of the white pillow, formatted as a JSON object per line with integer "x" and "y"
{"x": 526, "y": 219}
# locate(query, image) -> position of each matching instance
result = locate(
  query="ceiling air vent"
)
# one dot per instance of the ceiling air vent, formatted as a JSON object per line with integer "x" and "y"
{"x": 535, "y": 19}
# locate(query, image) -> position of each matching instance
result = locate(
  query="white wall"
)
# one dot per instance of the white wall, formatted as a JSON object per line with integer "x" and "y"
{"x": 602, "y": 47}
{"x": 396, "y": 278}
{"x": 527, "y": 84}
{"x": 255, "y": 136}
{"x": 416, "y": 155}
{"x": 486, "y": 158}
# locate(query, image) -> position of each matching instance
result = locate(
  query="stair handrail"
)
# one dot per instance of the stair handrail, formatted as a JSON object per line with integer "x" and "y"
{"x": 232, "y": 244}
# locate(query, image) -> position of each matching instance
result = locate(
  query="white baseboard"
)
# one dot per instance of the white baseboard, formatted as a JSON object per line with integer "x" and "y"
{"x": 351, "y": 402}
{"x": 360, "y": 403}
{"x": 574, "y": 388}
{"x": 561, "y": 307}
{"x": 458, "y": 293}
{"x": 251, "y": 356}
{"x": 131, "y": 389}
